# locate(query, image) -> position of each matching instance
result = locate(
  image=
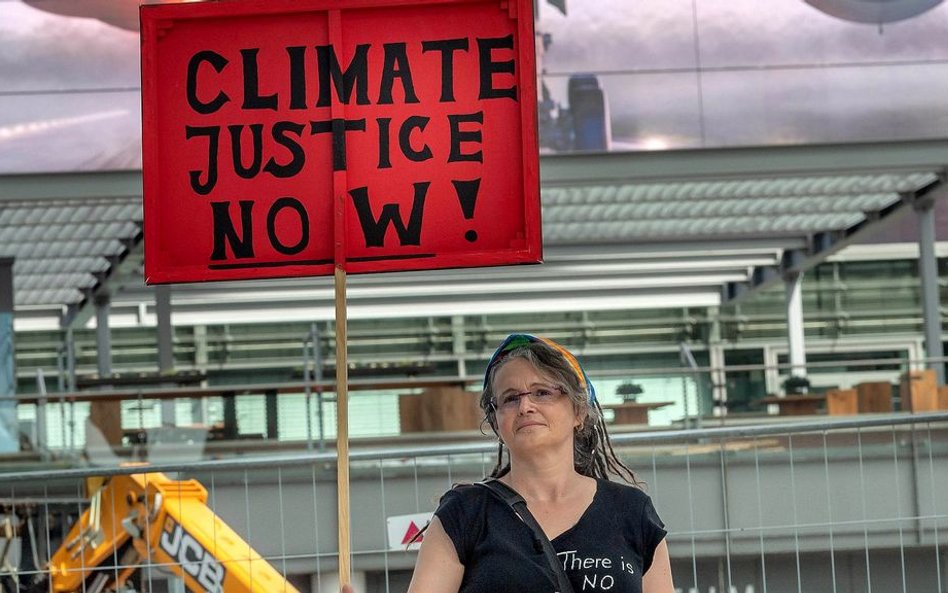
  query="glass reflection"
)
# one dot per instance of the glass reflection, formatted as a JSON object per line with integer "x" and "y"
{"x": 614, "y": 74}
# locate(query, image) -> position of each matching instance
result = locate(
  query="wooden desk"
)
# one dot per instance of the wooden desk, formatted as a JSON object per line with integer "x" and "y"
{"x": 440, "y": 409}
{"x": 796, "y": 405}
{"x": 634, "y": 412}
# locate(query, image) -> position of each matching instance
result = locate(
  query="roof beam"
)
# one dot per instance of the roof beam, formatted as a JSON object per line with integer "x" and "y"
{"x": 751, "y": 162}
{"x": 823, "y": 245}
{"x": 70, "y": 186}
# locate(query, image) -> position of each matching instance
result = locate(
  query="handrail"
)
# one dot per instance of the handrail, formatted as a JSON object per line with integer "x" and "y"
{"x": 650, "y": 438}
{"x": 328, "y": 386}
{"x": 239, "y": 389}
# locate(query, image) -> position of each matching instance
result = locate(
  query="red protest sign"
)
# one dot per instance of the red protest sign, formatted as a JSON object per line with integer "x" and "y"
{"x": 281, "y": 136}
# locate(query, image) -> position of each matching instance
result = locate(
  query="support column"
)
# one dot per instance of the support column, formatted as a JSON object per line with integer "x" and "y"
{"x": 165, "y": 346}
{"x": 105, "y": 415}
{"x": 795, "y": 339}
{"x": 9, "y": 427}
{"x": 931, "y": 301}
{"x": 458, "y": 343}
{"x": 718, "y": 380}
{"x": 199, "y": 404}
{"x": 717, "y": 374}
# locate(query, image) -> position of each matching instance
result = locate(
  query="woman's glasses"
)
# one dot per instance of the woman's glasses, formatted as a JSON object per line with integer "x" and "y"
{"x": 540, "y": 395}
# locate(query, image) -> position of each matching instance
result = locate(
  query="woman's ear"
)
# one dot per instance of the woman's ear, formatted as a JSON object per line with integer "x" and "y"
{"x": 492, "y": 422}
{"x": 580, "y": 419}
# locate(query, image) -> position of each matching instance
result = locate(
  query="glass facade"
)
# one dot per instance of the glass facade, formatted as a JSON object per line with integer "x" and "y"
{"x": 617, "y": 76}
{"x": 862, "y": 322}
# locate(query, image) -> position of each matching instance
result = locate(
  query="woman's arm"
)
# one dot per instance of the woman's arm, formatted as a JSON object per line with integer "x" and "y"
{"x": 658, "y": 578}
{"x": 437, "y": 569}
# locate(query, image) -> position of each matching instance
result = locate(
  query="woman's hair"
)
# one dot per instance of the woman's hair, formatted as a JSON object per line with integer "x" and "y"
{"x": 593, "y": 454}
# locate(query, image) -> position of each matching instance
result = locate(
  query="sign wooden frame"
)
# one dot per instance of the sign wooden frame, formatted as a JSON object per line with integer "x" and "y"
{"x": 185, "y": 243}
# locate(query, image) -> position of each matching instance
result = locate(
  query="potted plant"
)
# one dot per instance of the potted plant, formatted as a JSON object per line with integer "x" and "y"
{"x": 628, "y": 391}
{"x": 795, "y": 385}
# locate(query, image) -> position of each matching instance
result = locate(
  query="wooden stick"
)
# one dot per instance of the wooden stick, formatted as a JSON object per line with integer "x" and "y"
{"x": 342, "y": 427}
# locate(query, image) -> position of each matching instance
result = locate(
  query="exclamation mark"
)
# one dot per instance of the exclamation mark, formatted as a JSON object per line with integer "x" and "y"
{"x": 467, "y": 197}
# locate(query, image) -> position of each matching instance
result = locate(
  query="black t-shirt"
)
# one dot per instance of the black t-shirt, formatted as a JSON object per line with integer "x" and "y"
{"x": 609, "y": 548}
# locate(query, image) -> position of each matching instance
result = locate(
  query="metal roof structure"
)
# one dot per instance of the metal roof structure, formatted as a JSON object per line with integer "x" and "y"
{"x": 630, "y": 230}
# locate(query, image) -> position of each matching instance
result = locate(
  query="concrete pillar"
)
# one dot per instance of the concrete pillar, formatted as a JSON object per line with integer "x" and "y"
{"x": 718, "y": 380}
{"x": 103, "y": 337}
{"x": 931, "y": 301}
{"x": 317, "y": 351}
{"x": 199, "y": 404}
{"x": 795, "y": 339}
{"x": 717, "y": 375}
{"x": 9, "y": 427}
{"x": 41, "y": 441}
{"x": 458, "y": 343}
{"x": 165, "y": 346}
{"x": 106, "y": 416}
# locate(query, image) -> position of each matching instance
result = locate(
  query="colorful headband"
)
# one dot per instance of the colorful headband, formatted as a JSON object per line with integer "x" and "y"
{"x": 514, "y": 341}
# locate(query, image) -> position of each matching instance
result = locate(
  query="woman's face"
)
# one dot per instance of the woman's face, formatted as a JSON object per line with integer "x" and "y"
{"x": 531, "y": 408}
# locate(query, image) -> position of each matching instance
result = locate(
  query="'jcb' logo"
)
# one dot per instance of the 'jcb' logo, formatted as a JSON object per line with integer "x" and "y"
{"x": 193, "y": 558}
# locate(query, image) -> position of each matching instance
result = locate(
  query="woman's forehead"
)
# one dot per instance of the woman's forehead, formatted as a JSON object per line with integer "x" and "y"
{"x": 517, "y": 372}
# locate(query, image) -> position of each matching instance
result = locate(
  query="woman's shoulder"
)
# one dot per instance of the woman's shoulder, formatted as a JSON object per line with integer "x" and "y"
{"x": 464, "y": 495}
{"x": 460, "y": 508}
{"x": 622, "y": 492}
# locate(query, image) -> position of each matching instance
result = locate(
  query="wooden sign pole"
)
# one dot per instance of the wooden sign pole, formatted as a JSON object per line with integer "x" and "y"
{"x": 340, "y": 186}
{"x": 342, "y": 427}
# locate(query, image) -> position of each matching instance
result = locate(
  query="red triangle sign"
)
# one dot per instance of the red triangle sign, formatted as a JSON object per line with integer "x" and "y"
{"x": 411, "y": 533}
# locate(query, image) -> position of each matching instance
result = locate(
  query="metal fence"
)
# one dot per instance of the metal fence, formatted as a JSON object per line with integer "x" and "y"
{"x": 836, "y": 506}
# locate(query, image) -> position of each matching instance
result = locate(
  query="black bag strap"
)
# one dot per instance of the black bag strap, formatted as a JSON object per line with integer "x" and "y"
{"x": 516, "y": 502}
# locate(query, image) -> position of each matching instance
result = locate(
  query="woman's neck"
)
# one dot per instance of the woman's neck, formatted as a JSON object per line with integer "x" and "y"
{"x": 545, "y": 478}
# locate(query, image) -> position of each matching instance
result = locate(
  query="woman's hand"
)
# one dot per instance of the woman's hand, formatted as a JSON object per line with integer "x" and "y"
{"x": 347, "y": 589}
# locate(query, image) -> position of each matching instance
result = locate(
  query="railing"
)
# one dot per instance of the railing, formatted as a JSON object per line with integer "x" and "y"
{"x": 227, "y": 419}
{"x": 851, "y": 505}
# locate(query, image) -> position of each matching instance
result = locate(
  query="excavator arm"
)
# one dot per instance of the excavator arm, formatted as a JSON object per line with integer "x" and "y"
{"x": 149, "y": 519}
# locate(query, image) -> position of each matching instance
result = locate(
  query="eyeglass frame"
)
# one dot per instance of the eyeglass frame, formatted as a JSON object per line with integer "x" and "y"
{"x": 530, "y": 394}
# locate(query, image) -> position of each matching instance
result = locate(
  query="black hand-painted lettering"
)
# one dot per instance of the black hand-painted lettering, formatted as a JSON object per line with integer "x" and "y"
{"x": 396, "y": 66}
{"x": 385, "y": 151}
{"x": 467, "y": 198}
{"x": 213, "y": 140}
{"x": 218, "y": 62}
{"x": 467, "y": 195}
{"x": 374, "y": 229}
{"x": 338, "y": 127}
{"x": 488, "y": 67}
{"x": 225, "y": 234}
{"x": 295, "y": 165}
{"x": 236, "y": 149}
{"x": 297, "y": 55}
{"x": 447, "y": 47}
{"x": 356, "y": 76}
{"x": 275, "y": 209}
{"x": 404, "y": 139}
{"x": 252, "y": 97}
{"x": 459, "y": 136}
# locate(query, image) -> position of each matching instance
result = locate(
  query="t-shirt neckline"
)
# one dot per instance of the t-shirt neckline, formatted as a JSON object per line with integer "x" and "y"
{"x": 583, "y": 516}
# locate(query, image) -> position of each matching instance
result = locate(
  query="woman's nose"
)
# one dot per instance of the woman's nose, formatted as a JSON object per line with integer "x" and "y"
{"x": 525, "y": 404}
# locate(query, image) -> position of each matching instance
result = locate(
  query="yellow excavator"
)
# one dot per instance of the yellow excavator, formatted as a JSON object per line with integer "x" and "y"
{"x": 149, "y": 519}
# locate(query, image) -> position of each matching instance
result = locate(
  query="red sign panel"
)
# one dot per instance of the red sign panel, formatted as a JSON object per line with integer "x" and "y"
{"x": 284, "y": 137}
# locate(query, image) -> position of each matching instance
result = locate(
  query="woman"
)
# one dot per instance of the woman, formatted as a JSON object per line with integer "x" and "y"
{"x": 607, "y": 536}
